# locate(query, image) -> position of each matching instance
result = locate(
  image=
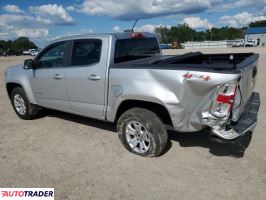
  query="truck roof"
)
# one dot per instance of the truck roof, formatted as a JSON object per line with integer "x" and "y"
{"x": 122, "y": 35}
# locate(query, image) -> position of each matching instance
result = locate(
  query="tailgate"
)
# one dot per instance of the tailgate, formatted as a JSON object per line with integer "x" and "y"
{"x": 248, "y": 71}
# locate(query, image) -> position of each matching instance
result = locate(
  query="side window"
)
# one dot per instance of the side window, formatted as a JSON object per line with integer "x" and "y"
{"x": 86, "y": 52}
{"x": 53, "y": 57}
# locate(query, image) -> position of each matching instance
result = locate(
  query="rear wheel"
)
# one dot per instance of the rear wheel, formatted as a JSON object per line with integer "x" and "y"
{"x": 23, "y": 108}
{"x": 142, "y": 132}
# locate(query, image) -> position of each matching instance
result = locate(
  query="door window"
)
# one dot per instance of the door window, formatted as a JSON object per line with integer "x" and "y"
{"x": 86, "y": 52}
{"x": 52, "y": 57}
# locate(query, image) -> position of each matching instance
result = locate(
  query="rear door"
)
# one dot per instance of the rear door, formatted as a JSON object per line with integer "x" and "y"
{"x": 86, "y": 76}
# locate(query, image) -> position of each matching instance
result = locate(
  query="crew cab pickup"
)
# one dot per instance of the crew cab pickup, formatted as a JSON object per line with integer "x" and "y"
{"x": 123, "y": 78}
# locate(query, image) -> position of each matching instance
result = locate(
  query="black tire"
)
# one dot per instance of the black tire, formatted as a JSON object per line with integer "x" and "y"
{"x": 154, "y": 125}
{"x": 31, "y": 110}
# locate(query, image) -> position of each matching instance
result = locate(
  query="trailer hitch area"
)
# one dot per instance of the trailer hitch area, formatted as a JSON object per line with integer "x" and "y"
{"x": 219, "y": 126}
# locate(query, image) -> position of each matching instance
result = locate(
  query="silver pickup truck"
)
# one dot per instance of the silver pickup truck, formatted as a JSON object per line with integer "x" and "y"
{"x": 124, "y": 79}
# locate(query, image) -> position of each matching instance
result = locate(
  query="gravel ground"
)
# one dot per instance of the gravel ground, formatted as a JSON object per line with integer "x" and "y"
{"x": 83, "y": 159}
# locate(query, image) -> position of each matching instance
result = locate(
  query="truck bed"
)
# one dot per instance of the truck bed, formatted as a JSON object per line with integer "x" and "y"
{"x": 233, "y": 62}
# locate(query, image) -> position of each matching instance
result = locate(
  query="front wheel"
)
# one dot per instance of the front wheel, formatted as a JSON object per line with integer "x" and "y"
{"x": 23, "y": 108}
{"x": 142, "y": 132}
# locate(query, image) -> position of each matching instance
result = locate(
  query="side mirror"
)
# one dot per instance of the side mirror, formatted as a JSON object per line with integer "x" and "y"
{"x": 28, "y": 64}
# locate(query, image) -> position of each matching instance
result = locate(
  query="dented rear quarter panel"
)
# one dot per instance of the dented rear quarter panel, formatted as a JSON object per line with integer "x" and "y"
{"x": 184, "y": 98}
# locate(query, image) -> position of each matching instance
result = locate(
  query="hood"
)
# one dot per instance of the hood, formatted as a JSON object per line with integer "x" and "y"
{"x": 15, "y": 67}
{"x": 13, "y": 72}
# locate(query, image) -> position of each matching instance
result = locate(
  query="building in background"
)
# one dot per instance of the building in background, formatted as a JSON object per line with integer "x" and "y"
{"x": 257, "y": 34}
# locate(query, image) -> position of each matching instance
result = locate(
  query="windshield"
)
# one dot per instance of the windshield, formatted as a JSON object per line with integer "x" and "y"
{"x": 136, "y": 48}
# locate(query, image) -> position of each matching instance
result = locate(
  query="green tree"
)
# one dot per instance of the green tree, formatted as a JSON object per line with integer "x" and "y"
{"x": 181, "y": 33}
{"x": 163, "y": 33}
{"x": 261, "y": 23}
{"x": 199, "y": 36}
{"x": 19, "y": 44}
{"x": 23, "y": 43}
{"x": 226, "y": 33}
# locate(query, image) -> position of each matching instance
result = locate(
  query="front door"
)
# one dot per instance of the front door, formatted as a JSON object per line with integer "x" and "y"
{"x": 48, "y": 79}
{"x": 86, "y": 76}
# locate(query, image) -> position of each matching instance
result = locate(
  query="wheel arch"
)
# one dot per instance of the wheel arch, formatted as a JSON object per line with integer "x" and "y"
{"x": 11, "y": 85}
{"x": 157, "y": 108}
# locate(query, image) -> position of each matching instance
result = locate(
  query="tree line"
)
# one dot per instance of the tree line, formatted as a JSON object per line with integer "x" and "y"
{"x": 179, "y": 33}
{"x": 184, "y": 33}
{"x": 19, "y": 44}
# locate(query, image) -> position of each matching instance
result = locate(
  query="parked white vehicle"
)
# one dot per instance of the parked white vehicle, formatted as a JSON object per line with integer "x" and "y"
{"x": 31, "y": 52}
{"x": 238, "y": 43}
{"x": 34, "y": 52}
{"x": 251, "y": 43}
{"x": 26, "y": 52}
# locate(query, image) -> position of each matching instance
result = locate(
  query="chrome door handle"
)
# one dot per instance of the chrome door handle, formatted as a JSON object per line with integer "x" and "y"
{"x": 58, "y": 76}
{"x": 94, "y": 77}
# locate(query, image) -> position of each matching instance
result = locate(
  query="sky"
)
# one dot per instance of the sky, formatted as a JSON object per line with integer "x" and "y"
{"x": 45, "y": 20}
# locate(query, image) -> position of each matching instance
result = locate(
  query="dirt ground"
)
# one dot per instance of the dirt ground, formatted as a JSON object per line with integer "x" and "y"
{"x": 83, "y": 159}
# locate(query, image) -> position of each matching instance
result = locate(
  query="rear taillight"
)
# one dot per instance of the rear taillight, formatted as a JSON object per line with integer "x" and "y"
{"x": 224, "y": 100}
{"x": 136, "y": 35}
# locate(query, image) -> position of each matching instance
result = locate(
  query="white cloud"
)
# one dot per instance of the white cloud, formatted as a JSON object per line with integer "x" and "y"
{"x": 242, "y": 3}
{"x": 149, "y": 28}
{"x": 32, "y": 33}
{"x": 34, "y": 24}
{"x": 263, "y": 11}
{"x": 54, "y": 12}
{"x": 12, "y": 9}
{"x": 197, "y": 23}
{"x": 132, "y": 9}
{"x": 144, "y": 28}
{"x": 71, "y": 33}
{"x": 70, "y": 8}
{"x": 16, "y": 25}
{"x": 117, "y": 29}
{"x": 4, "y": 35}
{"x": 17, "y": 20}
{"x": 241, "y": 19}
{"x": 225, "y": 5}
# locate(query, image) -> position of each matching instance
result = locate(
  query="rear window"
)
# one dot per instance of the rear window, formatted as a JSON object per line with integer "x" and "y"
{"x": 86, "y": 52}
{"x": 132, "y": 49}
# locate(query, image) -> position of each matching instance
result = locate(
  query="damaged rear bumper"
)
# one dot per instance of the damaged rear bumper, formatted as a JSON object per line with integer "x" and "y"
{"x": 225, "y": 130}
